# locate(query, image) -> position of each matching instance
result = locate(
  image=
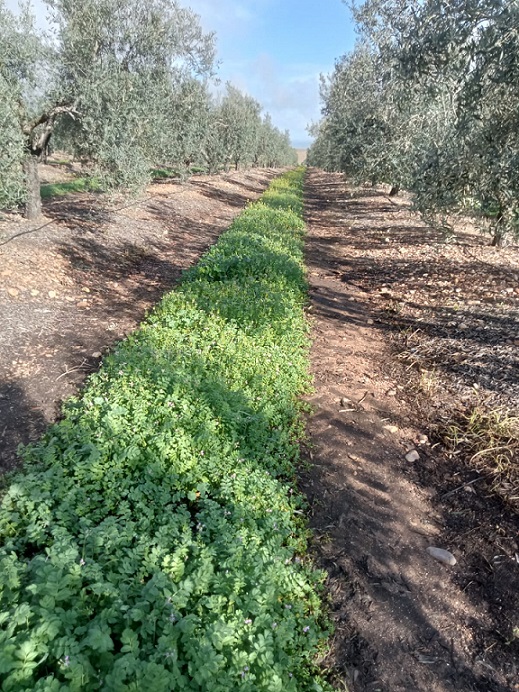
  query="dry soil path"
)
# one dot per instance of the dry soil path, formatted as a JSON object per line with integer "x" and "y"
{"x": 404, "y": 622}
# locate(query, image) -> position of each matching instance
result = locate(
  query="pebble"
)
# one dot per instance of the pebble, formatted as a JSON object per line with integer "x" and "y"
{"x": 82, "y": 304}
{"x": 391, "y": 428}
{"x": 423, "y": 439}
{"x": 52, "y": 294}
{"x": 13, "y": 292}
{"x": 412, "y": 455}
{"x": 442, "y": 556}
{"x": 370, "y": 322}
{"x": 97, "y": 354}
{"x": 35, "y": 292}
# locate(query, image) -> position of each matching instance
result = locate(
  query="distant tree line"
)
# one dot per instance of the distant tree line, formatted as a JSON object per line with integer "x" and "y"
{"x": 124, "y": 85}
{"x": 429, "y": 100}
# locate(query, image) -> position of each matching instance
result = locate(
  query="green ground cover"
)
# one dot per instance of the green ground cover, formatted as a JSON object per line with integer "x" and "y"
{"x": 94, "y": 185}
{"x": 155, "y": 539}
{"x": 76, "y": 185}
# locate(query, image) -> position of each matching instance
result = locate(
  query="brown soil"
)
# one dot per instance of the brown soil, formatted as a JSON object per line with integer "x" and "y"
{"x": 74, "y": 284}
{"x": 378, "y": 278}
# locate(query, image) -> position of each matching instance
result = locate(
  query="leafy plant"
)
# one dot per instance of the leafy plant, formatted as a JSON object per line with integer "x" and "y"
{"x": 154, "y": 540}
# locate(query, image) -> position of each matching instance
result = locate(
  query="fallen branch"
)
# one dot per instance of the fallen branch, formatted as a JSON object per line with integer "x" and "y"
{"x": 465, "y": 485}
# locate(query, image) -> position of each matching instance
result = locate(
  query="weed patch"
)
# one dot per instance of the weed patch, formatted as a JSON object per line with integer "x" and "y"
{"x": 489, "y": 441}
{"x": 154, "y": 540}
{"x": 77, "y": 185}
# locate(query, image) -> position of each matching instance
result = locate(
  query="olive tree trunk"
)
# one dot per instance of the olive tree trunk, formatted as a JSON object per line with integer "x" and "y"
{"x": 32, "y": 177}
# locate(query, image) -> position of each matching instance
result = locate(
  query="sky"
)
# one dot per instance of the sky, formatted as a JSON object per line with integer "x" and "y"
{"x": 274, "y": 50}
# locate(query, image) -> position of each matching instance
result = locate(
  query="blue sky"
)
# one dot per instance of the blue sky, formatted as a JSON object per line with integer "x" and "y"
{"x": 274, "y": 50}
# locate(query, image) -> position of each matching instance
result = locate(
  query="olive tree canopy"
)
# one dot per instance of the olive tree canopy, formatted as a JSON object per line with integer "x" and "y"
{"x": 437, "y": 109}
{"x": 111, "y": 68}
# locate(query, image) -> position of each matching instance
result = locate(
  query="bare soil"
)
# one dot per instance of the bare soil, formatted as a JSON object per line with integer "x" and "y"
{"x": 76, "y": 283}
{"x": 382, "y": 283}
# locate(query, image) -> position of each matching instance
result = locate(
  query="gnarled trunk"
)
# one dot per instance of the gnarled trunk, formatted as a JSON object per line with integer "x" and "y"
{"x": 38, "y": 133}
{"x": 33, "y": 204}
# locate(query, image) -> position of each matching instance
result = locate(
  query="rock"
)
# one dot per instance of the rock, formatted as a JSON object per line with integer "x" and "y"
{"x": 52, "y": 294}
{"x": 13, "y": 292}
{"x": 97, "y": 354}
{"x": 82, "y": 304}
{"x": 442, "y": 556}
{"x": 423, "y": 439}
{"x": 35, "y": 292}
{"x": 412, "y": 455}
{"x": 371, "y": 322}
{"x": 391, "y": 428}
{"x": 85, "y": 289}
{"x": 391, "y": 392}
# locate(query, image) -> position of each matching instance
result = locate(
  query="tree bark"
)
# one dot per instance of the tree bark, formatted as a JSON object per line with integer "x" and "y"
{"x": 498, "y": 238}
{"x": 37, "y": 144}
{"x": 33, "y": 205}
{"x": 499, "y": 233}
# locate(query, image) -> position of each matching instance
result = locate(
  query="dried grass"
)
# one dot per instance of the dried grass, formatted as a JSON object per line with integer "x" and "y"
{"x": 489, "y": 442}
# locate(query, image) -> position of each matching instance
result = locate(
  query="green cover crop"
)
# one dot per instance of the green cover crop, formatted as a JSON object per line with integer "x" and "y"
{"x": 154, "y": 540}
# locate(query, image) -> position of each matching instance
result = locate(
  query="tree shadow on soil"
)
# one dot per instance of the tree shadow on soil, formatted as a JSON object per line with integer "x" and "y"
{"x": 366, "y": 535}
{"x": 470, "y": 341}
{"x": 233, "y": 198}
{"x": 21, "y": 421}
{"x": 81, "y": 213}
{"x": 354, "y": 517}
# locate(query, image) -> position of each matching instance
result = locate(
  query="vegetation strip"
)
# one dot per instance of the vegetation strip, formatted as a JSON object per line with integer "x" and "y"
{"x": 155, "y": 540}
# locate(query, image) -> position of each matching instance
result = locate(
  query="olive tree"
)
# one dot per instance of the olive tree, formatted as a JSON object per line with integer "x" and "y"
{"x": 111, "y": 70}
{"x": 430, "y": 100}
{"x": 375, "y": 127}
{"x": 273, "y": 147}
{"x": 11, "y": 149}
{"x": 240, "y": 123}
{"x": 475, "y": 42}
